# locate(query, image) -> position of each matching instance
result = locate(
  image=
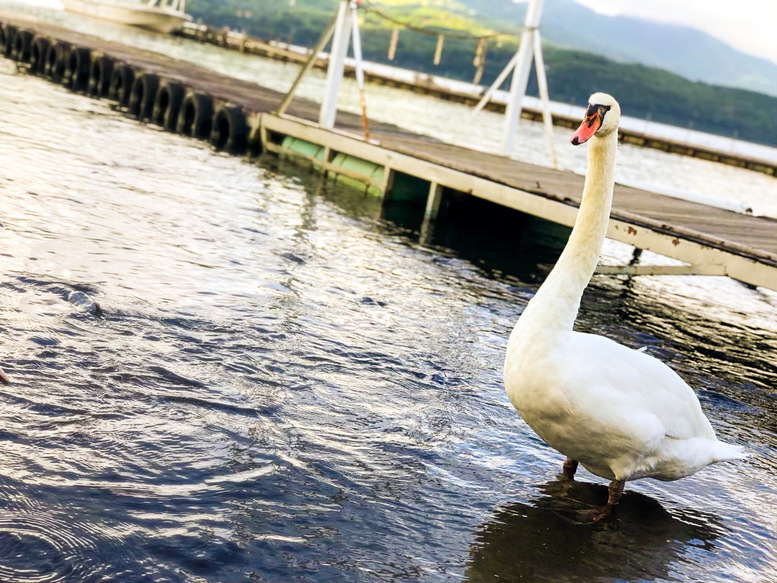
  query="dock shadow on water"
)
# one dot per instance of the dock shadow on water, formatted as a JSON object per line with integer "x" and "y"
{"x": 542, "y": 540}
{"x": 499, "y": 240}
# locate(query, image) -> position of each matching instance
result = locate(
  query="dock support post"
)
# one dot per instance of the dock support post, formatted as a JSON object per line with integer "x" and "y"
{"x": 388, "y": 182}
{"x": 336, "y": 66}
{"x": 521, "y": 74}
{"x": 433, "y": 202}
{"x": 326, "y": 159}
{"x": 431, "y": 212}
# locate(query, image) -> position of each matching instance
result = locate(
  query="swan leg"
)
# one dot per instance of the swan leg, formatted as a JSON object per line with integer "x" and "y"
{"x": 570, "y": 467}
{"x": 615, "y": 492}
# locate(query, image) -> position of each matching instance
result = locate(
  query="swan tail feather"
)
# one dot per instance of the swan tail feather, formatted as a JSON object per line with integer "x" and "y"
{"x": 725, "y": 452}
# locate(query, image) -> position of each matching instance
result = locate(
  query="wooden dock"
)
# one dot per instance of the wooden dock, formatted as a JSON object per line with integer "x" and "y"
{"x": 238, "y": 116}
{"x": 428, "y": 85}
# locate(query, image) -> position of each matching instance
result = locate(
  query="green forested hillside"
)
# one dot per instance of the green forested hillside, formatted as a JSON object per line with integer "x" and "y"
{"x": 643, "y": 92}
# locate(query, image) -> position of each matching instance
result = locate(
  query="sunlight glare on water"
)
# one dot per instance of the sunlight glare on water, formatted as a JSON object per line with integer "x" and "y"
{"x": 231, "y": 371}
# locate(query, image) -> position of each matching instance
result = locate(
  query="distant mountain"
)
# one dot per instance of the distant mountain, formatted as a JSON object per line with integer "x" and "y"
{"x": 686, "y": 51}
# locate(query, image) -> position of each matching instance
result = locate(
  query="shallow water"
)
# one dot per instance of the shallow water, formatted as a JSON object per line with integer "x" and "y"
{"x": 227, "y": 371}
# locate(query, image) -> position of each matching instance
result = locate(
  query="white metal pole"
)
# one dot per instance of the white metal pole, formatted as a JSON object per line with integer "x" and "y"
{"x": 357, "y": 46}
{"x": 357, "y": 55}
{"x": 494, "y": 86}
{"x": 521, "y": 74}
{"x": 312, "y": 58}
{"x": 334, "y": 73}
{"x": 542, "y": 83}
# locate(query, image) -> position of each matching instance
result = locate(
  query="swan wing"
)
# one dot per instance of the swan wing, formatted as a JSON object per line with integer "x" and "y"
{"x": 612, "y": 377}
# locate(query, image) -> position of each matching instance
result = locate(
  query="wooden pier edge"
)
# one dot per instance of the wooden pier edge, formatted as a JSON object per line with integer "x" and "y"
{"x": 232, "y": 117}
{"x": 704, "y": 255}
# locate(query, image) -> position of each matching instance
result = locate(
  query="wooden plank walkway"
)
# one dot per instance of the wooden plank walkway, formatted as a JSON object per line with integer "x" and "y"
{"x": 713, "y": 241}
{"x": 758, "y": 233}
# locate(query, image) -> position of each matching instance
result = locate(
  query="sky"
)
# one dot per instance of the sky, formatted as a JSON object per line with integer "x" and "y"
{"x": 747, "y": 25}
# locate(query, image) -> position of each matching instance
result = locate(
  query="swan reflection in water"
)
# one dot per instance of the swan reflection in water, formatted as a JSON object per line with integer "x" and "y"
{"x": 543, "y": 541}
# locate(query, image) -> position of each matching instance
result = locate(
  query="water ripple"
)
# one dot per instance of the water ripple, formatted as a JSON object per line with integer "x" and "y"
{"x": 36, "y": 548}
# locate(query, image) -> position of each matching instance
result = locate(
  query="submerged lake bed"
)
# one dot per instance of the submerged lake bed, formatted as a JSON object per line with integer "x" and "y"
{"x": 282, "y": 382}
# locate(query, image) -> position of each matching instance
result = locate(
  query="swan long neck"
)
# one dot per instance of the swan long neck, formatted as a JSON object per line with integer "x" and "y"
{"x": 556, "y": 304}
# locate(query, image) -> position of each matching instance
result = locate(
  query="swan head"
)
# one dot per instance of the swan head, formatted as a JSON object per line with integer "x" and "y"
{"x": 601, "y": 118}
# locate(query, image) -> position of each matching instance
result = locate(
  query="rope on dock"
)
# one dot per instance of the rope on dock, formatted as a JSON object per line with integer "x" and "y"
{"x": 436, "y": 31}
{"x": 441, "y": 33}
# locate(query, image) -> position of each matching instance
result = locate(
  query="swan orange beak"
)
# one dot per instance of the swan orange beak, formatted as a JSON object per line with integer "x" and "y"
{"x": 587, "y": 129}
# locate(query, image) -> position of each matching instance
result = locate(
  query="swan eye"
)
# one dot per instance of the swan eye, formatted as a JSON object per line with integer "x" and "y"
{"x": 596, "y": 112}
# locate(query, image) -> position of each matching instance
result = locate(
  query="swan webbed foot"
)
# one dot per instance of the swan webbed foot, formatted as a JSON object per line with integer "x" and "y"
{"x": 595, "y": 514}
{"x": 598, "y": 513}
{"x": 570, "y": 467}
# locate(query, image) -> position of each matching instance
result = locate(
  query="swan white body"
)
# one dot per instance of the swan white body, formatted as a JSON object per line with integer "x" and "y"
{"x": 621, "y": 413}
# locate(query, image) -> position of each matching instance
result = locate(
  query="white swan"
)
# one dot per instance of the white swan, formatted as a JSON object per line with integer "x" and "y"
{"x": 619, "y": 412}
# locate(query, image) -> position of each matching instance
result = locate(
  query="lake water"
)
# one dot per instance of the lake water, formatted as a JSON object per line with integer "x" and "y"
{"x": 280, "y": 383}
